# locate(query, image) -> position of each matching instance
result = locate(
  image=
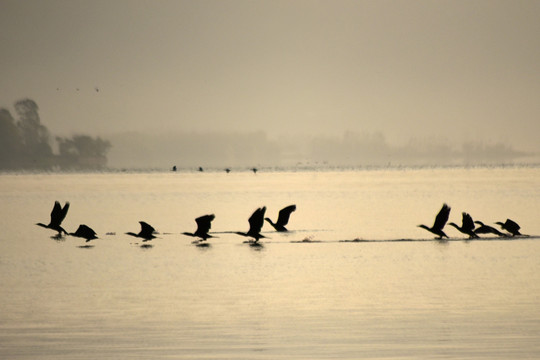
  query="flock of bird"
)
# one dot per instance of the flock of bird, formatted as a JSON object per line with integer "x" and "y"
{"x": 468, "y": 226}
{"x": 147, "y": 232}
{"x": 256, "y": 221}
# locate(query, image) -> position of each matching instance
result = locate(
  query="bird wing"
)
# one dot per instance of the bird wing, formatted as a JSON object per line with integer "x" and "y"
{"x": 256, "y": 220}
{"x": 468, "y": 223}
{"x": 284, "y": 214}
{"x": 55, "y": 213}
{"x": 204, "y": 223}
{"x": 146, "y": 229}
{"x": 85, "y": 231}
{"x": 511, "y": 224}
{"x": 442, "y": 217}
{"x": 58, "y": 214}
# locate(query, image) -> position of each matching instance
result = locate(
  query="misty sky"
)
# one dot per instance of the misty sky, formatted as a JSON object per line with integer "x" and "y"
{"x": 449, "y": 70}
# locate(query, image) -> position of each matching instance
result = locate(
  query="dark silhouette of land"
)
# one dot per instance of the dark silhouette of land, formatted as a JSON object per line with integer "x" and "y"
{"x": 26, "y": 143}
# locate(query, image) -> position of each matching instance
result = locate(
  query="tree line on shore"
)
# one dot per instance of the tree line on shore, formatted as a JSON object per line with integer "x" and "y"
{"x": 25, "y": 143}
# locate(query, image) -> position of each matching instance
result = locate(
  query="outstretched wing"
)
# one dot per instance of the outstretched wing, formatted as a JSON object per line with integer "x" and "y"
{"x": 204, "y": 223}
{"x": 58, "y": 214}
{"x": 256, "y": 220}
{"x": 511, "y": 224}
{"x": 284, "y": 214}
{"x": 468, "y": 223}
{"x": 442, "y": 217}
{"x": 85, "y": 231}
{"x": 146, "y": 229}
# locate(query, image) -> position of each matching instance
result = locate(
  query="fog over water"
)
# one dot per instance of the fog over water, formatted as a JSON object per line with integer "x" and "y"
{"x": 297, "y": 74}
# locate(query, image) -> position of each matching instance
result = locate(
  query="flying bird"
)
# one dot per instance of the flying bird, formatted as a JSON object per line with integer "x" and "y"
{"x": 256, "y": 221}
{"x": 440, "y": 221}
{"x": 146, "y": 233}
{"x": 511, "y": 226}
{"x": 486, "y": 229}
{"x": 85, "y": 232}
{"x": 58, "y": 214}
{"x": 467, "y": 226}
{"x": 204, "y": 223}
{"x": 283, "y": 218}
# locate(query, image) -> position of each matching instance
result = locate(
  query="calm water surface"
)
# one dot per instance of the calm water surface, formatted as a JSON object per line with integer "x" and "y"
{"x": 326, "y": 299}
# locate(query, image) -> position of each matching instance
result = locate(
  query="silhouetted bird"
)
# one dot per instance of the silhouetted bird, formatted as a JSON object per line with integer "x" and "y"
{"x": 467, "y": 226}
{"x": 204, "y": 223}
{"x": 440, "y": 221}
{"x": 146, "y": 233}
{"x": 85, "y": 232}
{"x": 173, "y": 168}
{"x": 201, "y": 169}
{"x": 511, "y": 226}
{"x": 227, "y": 170}
{"x": 256, "y": 221}
{"x": 486, "y": 229}
{"x": 283, "y": 218}
{"x": 58, "y": 214}
{"x": 254, "y": 170}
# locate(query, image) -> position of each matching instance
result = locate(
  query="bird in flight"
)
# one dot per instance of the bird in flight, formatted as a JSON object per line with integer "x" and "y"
{"x": 440, "y": 221}
{"x": 85, "y": 232}
{"x": 283, "y": 218}
{"x": 204, "y": 223}
{"x": 511, "y": 226}
{"x": 467, "y": 226}
{"x": 146, "y": 233}
{"x": 486, "y": 229}
{"x": 256, "y": 221}
{"x": 58, "y": 214}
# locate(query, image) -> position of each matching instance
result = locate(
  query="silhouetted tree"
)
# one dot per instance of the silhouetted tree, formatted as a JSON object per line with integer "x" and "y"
{"x": 11, "y": 146}
{"x": 82, "y": 151}
{"x": 35, "y": 136}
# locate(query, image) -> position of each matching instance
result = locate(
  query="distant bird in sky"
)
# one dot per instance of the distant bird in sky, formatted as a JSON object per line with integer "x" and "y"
{"x": 440, "y": 221}
{"x": 58, "y": 214}
{"x": 204, "y": 223}
{"x": 486, "y": 229}
{"x": 146, "y": 233}
{"x": 467, "y": 226}
{"x": 283, "y": 218}
{"x": 256, "y": 221}
{"x": 511, "y": 226}
{"x": 97, "y": 89}
{"x": 85, "y": 232}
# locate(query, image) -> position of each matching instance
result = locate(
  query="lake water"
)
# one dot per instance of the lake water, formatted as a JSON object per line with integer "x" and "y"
{"x": 398, "y": 294}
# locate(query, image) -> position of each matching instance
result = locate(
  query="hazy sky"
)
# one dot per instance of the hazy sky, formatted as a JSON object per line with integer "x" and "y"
{"x": 410, "y": 69}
